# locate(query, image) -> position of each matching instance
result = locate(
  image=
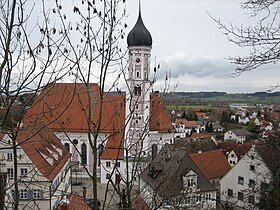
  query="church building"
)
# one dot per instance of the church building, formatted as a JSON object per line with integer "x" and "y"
{"x": 127, "y": 127}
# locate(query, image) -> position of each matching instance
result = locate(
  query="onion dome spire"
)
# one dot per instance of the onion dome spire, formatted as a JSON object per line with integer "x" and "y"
{"x": 139, "y": 35}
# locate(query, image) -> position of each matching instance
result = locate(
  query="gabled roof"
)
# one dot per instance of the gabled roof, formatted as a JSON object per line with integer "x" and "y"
{"x": 239, "y": 149}
{"x": 241, "y": 132}
{"x": 191, "y": 146}
{"x": 159, "y": 119}
{"x": 64, "y": 107}
{"x": 213, "y": 164}
{"x": 168, "y": 181}
{"x": 187, "y": 123}
{"x": 43, "y": 148}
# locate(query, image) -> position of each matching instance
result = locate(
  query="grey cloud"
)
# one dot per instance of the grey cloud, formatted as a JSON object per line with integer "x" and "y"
{"x": 198, "y": 66}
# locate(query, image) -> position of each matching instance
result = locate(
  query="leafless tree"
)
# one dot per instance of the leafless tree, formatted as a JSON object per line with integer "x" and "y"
{"x": 28, "y": 58}
{"x": 262, "y": 39}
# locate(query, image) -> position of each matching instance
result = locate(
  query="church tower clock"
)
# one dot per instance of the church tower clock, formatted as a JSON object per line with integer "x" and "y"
{"x": 139, "y": 41}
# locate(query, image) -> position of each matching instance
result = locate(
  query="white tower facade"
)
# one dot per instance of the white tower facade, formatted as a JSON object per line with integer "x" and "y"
{"x": 139, "y": 42}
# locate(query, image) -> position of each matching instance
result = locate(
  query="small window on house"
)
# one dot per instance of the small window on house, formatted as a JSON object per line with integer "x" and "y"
{"x": 230, "y": 192}
{"x": 252, "y": 157}
{"x": 10, "y": 173}
{"x": 190, "y": 182}
{"x": 36, "y": 194}
{"x": 23, "y": 172}
{"x": 23, "y": 194}
{"x": 108, "y": 164}
{"x": 241, "y": 180}
{"x": 208, "y": 196}
{"x": 251, "y": 183}
{"x": 240, "y": 196}
{"x": 117, "y": 178}
{"x": 252, "y": 168}
{"x": 84, "y": 153}
{"x": 10, "y": 156}
{"x": 251, "y": 199}
{"x": 66, "y": 145}
{"x": 107, "y": 176}
{"x": 136, "y": 106}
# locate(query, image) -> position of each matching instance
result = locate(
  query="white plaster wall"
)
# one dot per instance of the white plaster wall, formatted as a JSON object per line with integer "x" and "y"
{"x": 242, "y": 169}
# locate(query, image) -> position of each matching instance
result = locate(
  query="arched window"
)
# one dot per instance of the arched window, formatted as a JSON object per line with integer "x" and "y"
{"x": 66, "y": 145}
{"x": 84, "y": 153}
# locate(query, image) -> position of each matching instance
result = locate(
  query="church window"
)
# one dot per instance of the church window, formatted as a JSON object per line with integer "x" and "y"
{"x": 137, "y": 91}
{"x": 145, "y": 75}
{"x": 84, "y": 153}
{"x": 137, "y": 74}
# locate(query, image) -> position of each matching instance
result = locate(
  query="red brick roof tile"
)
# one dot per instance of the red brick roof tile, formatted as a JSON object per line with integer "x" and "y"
{"x": 37, "y": 140}
{"x": 113, "y": 149}
{"x": 75, "y": 202}
{"x": 213, "y": 164}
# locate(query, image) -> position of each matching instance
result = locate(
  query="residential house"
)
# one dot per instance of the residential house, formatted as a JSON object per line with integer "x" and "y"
{"x": 43, "y": 166}
{"x": 234, "y": 151}
{"x": 242, "y": 184}
{"x": 185, "y": 127}
{"x": 217, "y": 127}
{"x": 213, "y": 164}
{"x": 237, "y": 135}
{"x": 173, "y": 180}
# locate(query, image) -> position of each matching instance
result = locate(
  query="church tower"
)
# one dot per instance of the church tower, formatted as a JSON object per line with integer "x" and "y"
{"x": 139, "y": 41}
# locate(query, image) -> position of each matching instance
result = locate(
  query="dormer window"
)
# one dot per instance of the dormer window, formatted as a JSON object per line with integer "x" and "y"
{"x": 190, "y": 180}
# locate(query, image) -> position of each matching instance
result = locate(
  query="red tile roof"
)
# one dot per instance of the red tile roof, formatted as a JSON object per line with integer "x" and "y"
{"x": 159, "y": 119}
{"x": 75, "y": 202}
{"x": 139, "y": 204}
{"x": 113, "y": 149}
{"x": 239, "y": 149}
{"x": 187, "y": 123}
{"x": 213, "y": 164}
{"x": 201, "y": 135}
{"x": 38, "y": 141}
{"x": 64, "y": 106}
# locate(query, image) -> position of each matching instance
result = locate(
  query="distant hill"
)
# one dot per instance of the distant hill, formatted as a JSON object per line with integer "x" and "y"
{"x": 205, "y": 94}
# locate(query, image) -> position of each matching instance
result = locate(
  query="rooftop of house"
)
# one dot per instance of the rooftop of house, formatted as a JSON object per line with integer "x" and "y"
{"x": 239, "y": 149}
{"x": 186, "y": 122}
{"x": 201, "y": 135}
{"x": 191, "y": 146}
{"x": 213, "y": 164}
{"x": 43, "y": 148}
{"x": 241, "y": 132}
{"x": 139, "y": 204}
{"x": 165, "y": 173}
{"x": 74, "y": 202}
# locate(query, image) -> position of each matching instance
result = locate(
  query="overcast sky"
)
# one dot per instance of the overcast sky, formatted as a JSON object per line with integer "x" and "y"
{"x": 187, "y": 41}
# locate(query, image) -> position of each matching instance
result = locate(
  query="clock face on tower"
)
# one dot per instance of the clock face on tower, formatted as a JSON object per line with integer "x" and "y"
{"x": 137, "y": 60}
